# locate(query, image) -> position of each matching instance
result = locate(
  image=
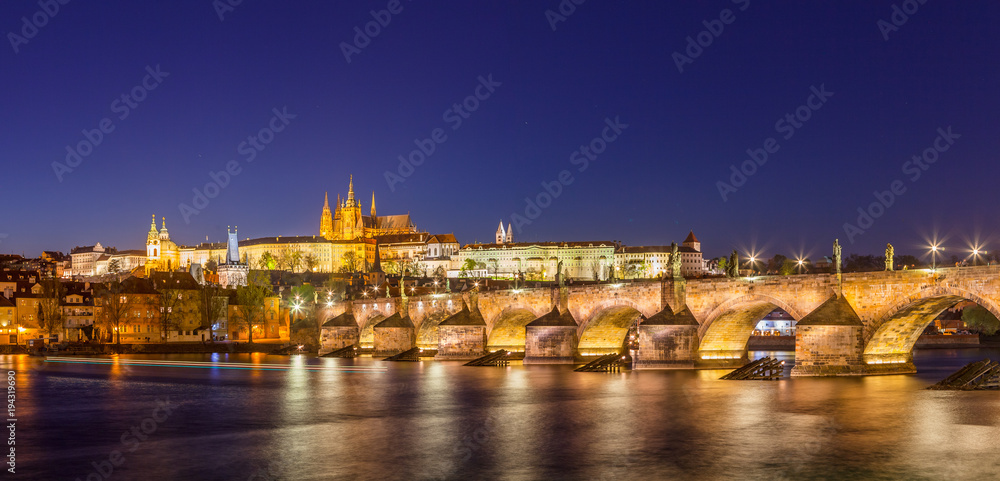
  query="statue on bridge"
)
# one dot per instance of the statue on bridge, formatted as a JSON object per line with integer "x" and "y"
{"x": 836, "y": 254}
{"x": 733, "y": 268}
{"x": 890, "y": 252}
{"x": 559, "y": 274}
{"x": 675, "y": 261}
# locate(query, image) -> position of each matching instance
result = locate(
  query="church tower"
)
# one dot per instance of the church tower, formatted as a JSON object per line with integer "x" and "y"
{"x": 350, "y": 215}
{"x": 326, "y": 219}
{"x": 152, "y": 242}
{"x": 501, "y": 235}
{"x": 374, "y": 217}
{"x": 510, "y": 234}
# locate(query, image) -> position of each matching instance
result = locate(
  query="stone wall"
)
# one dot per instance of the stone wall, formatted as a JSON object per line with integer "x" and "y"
{"x": 833, "y": 350}
{"x": 336, "y": 337}
{"x": 390, "y": 341}
{"x": 461, "y": 342}
{"x": 665, "y": 347}
{"x": 550, "y": 345}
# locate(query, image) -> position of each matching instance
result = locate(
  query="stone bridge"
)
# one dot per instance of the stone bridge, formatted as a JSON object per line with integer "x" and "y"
{"x": 852, "y": 324}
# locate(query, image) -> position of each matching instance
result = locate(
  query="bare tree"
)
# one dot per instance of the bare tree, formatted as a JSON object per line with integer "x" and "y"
{"x": 168, "y": 303}
{"x": 310, "y": 261}
{"x": 250, "y": 302}
{"x": 351, "y": 263}
{"x": 211, "y": 306}
{"x": 116, "y": 301}
{"x": 50, "y": 306}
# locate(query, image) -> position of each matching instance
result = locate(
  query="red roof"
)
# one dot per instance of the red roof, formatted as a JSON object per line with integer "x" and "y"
{"x": 690, "y": 238}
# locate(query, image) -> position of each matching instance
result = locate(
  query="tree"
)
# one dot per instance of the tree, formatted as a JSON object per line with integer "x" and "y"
{"x": 468, "y": 265}
{"x": 211, "y": 265}
{"x": 351, "y": 263}
{"x": 907, "y": 261}
{"x": 292, "y": 259}
{"x": 866, "y": 263}
{"x": 775, "y": 264}
{"x": 116, "y": 300}
{"x": 168, "y": 303}
{"x": 981, "y": 319}
{"x": 50, "y": 306}
{"x": 267, "y": 261}
{"x": 114, "y": 266}
{"x": 788, "y": 267}
{"x": 310, "y": 261}
{"x": 211, "y": 306}
{"x": 250, "y": 302}
{"x": 391, "y": 267}
{"x": 721, "y": 263}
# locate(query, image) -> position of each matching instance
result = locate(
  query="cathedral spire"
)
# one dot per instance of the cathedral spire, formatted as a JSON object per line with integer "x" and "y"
{"x": 373, "y": 205}
{"x": 326, "y": 201}
{"x": 350, "y": 190}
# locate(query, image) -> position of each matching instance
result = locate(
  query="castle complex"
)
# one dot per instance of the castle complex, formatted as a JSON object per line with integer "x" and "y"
{"x": 349, "y": 240}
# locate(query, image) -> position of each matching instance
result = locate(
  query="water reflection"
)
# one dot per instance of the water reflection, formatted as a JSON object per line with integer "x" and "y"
{"x": 440, "y": 420}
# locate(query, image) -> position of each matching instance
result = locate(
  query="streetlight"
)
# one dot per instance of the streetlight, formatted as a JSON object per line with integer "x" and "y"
{"x": 934, "y": 250}
{"x": 976, "y": 253}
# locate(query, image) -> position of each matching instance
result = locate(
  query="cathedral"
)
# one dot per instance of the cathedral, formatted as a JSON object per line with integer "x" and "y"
{"x": 346, "y": 221}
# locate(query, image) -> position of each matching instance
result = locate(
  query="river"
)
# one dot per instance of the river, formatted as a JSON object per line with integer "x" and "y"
{"x": 305, "y": 418}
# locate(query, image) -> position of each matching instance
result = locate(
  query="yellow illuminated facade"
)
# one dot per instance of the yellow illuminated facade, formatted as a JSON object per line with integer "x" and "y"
{"x": 347, "y": 222}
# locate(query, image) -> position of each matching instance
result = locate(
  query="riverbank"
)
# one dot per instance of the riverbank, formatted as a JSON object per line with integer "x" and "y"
{"x": 170, "y": 348}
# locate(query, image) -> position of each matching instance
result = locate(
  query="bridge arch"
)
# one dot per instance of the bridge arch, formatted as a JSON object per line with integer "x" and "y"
{"x": 892, "y": 335}
{"x": 427, "y": 332}
{"x": 727, "y": 328}
{"x": 367, "y": 329}
{"x": 606, "y": 329}
{"x": 507, "y": 329}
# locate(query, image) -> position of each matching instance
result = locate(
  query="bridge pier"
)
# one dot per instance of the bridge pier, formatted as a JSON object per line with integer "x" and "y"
{"x": 395, "y": 334}
{"x": 668, "y": 340}
{"x": 551, "y": 339}
{"x": 828, "y": 341}
{"x": 462, "y": 336}
{"x": 339, "y": 332}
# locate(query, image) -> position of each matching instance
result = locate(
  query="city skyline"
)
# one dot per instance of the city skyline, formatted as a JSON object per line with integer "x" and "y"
{"x": 671, "y": 120}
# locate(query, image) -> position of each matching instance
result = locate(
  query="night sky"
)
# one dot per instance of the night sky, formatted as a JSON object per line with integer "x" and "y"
{"x": 222, "y": 80}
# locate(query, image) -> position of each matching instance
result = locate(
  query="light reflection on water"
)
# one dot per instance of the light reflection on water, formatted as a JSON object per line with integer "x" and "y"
{"x": 440, "y": 420}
